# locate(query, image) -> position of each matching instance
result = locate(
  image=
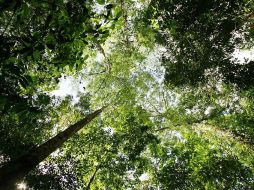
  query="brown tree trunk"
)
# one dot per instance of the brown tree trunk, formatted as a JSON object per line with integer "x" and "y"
{"x": 16, "y": 170}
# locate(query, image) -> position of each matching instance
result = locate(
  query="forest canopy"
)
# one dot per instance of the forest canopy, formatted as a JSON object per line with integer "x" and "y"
{"x": 126, "y": 94}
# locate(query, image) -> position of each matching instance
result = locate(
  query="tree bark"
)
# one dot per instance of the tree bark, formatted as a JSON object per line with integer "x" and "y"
{"x": 16, "y": 170}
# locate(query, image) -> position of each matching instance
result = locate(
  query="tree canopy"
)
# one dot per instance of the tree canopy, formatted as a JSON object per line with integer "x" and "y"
{"x": 174, "y": 97}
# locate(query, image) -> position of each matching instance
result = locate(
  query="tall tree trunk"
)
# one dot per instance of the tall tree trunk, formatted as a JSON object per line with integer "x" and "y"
{"x": 16, "y": 170}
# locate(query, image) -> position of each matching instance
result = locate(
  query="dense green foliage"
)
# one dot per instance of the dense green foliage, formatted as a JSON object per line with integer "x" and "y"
{"x": 180, "y": 109}
{"x": 201, "y": 35}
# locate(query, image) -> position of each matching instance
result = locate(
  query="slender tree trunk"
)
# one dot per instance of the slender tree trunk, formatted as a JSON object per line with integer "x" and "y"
{"x": 16, "y": 170}
{"x": 92, "y": 178}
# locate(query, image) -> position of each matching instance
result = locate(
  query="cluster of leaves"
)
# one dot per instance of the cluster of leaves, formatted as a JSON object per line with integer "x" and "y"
{"x": 99, "y": 156}
{"x": 200, "y": 35}
{"x": 192, "y": 134}
{"x": 39, "y": 40}
{"x": 196, "y": 158}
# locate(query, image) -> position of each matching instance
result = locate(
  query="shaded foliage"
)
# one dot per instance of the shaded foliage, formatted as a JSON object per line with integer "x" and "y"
{"x": 192, "y": 132}
{"x": 52, "y": 176}
{"x": 200, "y": 35}
{"x": 38, "y": 39}
{"x": 194, "y": 162}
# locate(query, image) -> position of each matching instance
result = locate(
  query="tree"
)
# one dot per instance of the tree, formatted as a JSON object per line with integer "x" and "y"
{"x": 179, "y": 104}
{"x": 15, "y": 170}
{"x": 200, "y": 36}
{"x": 188, "y": 160}
{"x": 40, "y": 39}
{"x": 40, "y": 42}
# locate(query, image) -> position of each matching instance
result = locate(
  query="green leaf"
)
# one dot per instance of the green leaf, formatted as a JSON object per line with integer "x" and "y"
{"x": 85, "y": 57}
{"x": 36, "y": 55}
{"x": 101, "y": 2}
{"x": 79, "y": 65}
